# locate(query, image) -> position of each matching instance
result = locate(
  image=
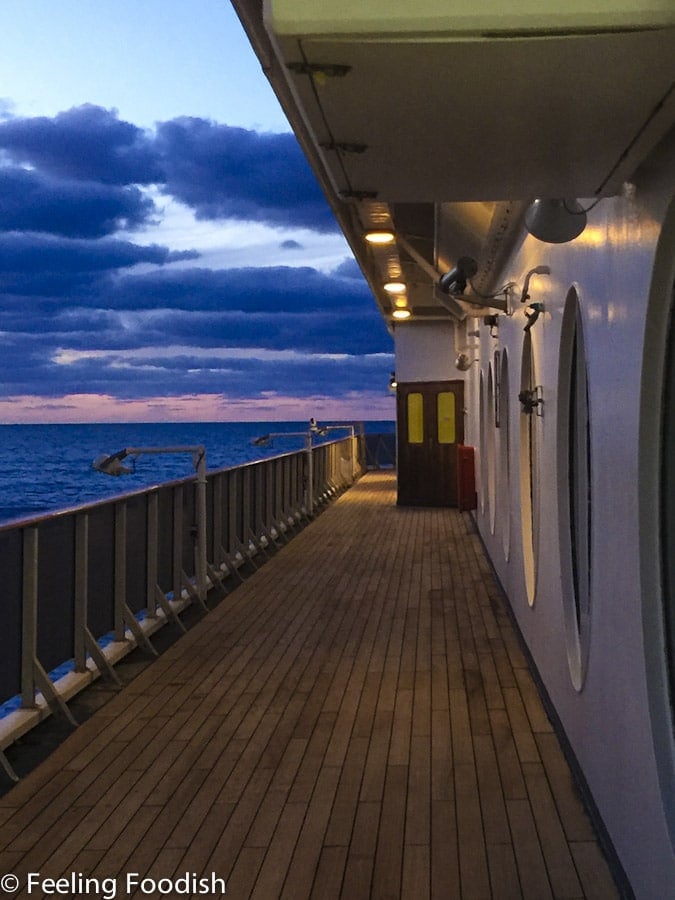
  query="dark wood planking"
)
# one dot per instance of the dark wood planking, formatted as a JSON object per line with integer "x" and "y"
{"x": 355, "y": 720}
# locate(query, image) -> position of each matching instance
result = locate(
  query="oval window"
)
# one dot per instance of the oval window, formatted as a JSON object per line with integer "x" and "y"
{"x": 574, "y": 487}
{"x": 504, "y": 456}
{"x": 490, "y": 450}
{"x": 528, "y": 469}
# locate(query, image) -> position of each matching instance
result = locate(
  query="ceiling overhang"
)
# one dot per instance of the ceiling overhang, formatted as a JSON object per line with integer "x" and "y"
{"x": 443, "y": 124}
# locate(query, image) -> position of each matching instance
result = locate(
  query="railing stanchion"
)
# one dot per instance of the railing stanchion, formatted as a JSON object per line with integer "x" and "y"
{"x": 32, "y": 674}
{"x": 201, "y": 528}
{"x": 81, "y": 591}
{"x": 309, "y": 490}
{"x": 29, "y": 617}
{"x": 123, "y": 613}
{"x": 152, "y": 546}
{"x": 83, "y": 640}
{"x": 120, "y": 569}
{"x": 177, "y": 555}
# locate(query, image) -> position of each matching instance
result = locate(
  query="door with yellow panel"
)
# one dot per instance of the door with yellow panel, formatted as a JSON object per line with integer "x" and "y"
{"x": 430, "y": 426}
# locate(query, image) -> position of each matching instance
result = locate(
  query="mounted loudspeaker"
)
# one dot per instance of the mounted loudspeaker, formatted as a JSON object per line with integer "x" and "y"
{"x": 555, "y": 221}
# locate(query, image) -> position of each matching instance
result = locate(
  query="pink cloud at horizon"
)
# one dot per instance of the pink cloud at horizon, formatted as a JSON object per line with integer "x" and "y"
{"x": 272, "y": 407}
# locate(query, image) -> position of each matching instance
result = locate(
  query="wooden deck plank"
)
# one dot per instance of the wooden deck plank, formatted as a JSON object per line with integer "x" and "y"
{"x": 356, "y": 720}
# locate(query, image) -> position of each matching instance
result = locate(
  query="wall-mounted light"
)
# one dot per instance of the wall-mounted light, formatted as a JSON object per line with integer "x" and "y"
{"x": 393, "y": 384}
{"x": 555, "y": 221}
{"x": 463, "y": 362}
{"x": 538, "y": 270}
{"x": 380, "y": 237}
{"x": 401, "y": 314}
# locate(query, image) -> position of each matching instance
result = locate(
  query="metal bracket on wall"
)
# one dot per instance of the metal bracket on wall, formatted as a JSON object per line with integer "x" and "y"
{"x": 168, "y": 609}
{"x": 46, "y": 687}
{"x": 229, "y": 565}
{"x": 7, "y": 766}
{"x": 132, "y": 624}
{"x": 193, "y": 593}
{"x": 216, "y": 580}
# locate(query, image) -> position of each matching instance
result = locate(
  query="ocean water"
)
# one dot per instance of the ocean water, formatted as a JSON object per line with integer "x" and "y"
{"x": 44, "y": 468}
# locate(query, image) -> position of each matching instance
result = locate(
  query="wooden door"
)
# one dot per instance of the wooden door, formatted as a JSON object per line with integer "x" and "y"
{"x": 430, "y": 426}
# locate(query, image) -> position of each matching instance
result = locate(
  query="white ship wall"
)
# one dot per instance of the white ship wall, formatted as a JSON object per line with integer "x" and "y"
{"x": 607, "y": 721}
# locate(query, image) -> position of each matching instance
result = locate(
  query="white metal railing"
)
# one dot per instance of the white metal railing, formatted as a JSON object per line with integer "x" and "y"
{"x": 82, "y": 587}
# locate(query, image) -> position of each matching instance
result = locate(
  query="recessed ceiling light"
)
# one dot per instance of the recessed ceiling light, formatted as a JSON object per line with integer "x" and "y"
{"x": 380, "y": 237}
{"x": 395, "y": 287}
{"x": 401, "y": 314}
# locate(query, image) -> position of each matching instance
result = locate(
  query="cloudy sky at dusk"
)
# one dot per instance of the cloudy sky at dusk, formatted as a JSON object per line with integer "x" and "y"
{"x": 165, "y": 253}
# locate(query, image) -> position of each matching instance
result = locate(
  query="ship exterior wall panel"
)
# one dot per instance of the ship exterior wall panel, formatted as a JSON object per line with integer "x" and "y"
{"x": 608, "y": 722}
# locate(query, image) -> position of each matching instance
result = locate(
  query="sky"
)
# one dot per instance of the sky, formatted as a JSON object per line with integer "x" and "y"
{"x": 165, "y": 252}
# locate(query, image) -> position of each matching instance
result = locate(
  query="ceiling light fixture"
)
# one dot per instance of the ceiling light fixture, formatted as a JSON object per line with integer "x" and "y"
{"x": 401, "y": 314}
{"x": 380, "y": 237}
{"x": 395, "y": 287}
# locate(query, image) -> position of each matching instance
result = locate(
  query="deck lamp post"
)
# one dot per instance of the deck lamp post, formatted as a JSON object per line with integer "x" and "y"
{"x": 112, "y": 465}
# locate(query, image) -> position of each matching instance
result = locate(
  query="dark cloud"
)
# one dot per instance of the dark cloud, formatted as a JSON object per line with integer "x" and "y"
{"x": 84, "y": 311}
{"x": 219, "y": 171}
{"x": 32, "y": 201}
{"x": 87, "y": 143}
{"x": 361, "y": 331}
{"x": 147, "y": 375}
{"x": 231, "y": 173}
{"x": 273, "y": 289}
{"x": 29, "y": 252}
{"x": 349, "y": 268}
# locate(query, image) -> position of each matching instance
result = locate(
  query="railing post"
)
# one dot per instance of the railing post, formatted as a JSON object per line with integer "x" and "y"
{"x": 81, "y": 591}
{"x": 309, "y": 493}
{"x": 201, "y": 528}
{"x": 246, "y": 504}
{"x": 29, "y": 617}
{"x": 120, "y": 568}
{"x": 217, "y": 488}
{"x": 233, "y": 502}
{"x": 32, "y": 673}
{"x": 152, "y": 547}
{"x": 177, "y": 555}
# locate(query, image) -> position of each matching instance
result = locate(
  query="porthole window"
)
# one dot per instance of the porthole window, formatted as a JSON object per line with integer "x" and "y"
{"x": 482, "y": 468}
{"x": 574, "y": 487}
{"x": 491, "y": 450}
{"x": 529, "y": 492}
{"x": 668, "y": 505}
{"x": 656, "y": 506}
{"x": 504, "y": 457}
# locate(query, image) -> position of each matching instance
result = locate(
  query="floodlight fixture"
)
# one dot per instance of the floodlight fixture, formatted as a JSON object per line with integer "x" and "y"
{"x": 555, "y": 221}
{"x": 455, "y": 280}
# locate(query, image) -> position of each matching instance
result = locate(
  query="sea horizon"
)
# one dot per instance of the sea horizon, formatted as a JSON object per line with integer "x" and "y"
{"x": 46, "y": 467}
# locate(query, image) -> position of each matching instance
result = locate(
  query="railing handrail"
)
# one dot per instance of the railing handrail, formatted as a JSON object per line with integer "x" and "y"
{"x": 34, "y": 519}
{"x": 84, "y": 585}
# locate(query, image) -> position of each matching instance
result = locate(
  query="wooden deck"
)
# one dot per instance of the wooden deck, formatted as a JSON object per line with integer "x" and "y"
{"x": 356, "y": 720}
